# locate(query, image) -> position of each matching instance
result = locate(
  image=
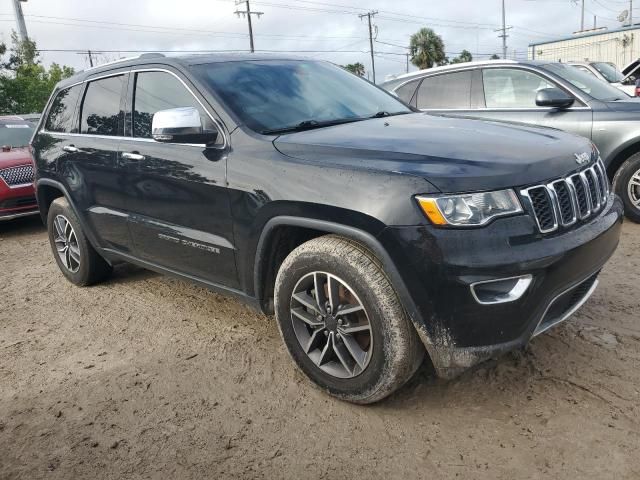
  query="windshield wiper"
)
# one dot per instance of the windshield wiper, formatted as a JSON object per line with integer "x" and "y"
{"x": 383, "y": 113}
{"x": 310, "y": 124}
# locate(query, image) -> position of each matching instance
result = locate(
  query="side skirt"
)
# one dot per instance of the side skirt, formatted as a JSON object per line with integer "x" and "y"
{"x": 114, "y": 255}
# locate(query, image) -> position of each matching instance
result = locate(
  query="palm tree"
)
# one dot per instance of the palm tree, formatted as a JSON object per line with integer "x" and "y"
{"x": 426, "y": 48}
{"x": 356, "y": 68}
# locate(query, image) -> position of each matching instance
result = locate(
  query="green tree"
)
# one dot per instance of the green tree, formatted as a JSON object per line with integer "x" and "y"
{"x": 465, "y": 56}
{"x": 426, "y": 49}
{"x": 25, "y": 84}
{"x": 355, "y": 68}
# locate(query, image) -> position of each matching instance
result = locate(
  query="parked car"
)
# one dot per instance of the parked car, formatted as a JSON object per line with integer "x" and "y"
{"x": 372, "y": 231}
{"x": 609, "y": 73}
{"x": 539, "y": 93}
{"x": 17, "y": 195}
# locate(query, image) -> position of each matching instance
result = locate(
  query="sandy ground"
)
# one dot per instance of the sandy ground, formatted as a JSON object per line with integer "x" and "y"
{"x": 148, "y": 377}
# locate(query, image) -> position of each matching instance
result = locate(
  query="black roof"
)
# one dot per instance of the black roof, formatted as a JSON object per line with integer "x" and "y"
{"x": 178, "y": 61}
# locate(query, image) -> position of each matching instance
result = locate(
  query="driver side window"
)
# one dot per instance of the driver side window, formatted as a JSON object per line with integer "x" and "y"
{"x": 512, "y": 88}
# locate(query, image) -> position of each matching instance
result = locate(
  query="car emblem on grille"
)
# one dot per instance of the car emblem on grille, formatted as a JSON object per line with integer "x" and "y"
{"x": 582, "y": 158}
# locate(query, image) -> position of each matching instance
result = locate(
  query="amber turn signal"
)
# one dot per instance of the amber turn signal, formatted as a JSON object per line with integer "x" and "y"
{"x": 431, "y": 210}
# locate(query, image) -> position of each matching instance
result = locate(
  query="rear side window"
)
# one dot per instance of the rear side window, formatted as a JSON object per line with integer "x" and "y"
{"x": 406, "y": 91}
{"x": 100, "y": 113}
{"x": 62, "y": 110}
{"x": 449, "y": 90}
{"x": 157, "y": 91}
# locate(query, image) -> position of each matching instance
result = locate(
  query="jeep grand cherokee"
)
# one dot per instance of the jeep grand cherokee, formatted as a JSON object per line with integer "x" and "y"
{"x": 373, "y": 232}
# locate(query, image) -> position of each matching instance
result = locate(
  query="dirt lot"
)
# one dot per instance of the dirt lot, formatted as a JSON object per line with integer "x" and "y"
{"x": 148, "y": 377}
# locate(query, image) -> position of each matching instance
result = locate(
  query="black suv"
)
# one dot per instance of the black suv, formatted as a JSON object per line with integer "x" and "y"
{"x": 374, "y": 232}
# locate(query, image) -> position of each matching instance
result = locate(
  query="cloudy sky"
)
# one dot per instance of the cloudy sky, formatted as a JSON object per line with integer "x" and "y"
{"x": 326, "y": 29}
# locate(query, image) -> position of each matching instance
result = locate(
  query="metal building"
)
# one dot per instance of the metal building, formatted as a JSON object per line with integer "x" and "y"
{"x": 620, "y": 46}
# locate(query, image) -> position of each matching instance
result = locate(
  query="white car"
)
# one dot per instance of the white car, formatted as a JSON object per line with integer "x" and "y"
{"x": 608, "y": 72}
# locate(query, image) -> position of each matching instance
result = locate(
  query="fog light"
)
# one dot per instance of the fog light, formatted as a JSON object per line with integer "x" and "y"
{"x": 503, "y": 290}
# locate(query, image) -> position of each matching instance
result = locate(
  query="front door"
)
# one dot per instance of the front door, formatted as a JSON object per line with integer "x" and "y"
{"x": 509, "y": 94}
{"x": 180, "y": 213}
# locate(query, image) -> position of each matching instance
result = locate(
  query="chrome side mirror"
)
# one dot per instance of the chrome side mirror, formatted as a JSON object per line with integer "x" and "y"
{"x": 180, "y": 125}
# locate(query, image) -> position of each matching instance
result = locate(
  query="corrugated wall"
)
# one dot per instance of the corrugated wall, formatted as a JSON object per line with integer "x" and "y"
{"x": 620, "y": 48}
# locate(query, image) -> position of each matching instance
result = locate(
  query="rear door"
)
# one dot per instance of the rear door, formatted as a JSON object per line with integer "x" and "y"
{"x": 176, "y": 193}
{"x": 91, "y": 173}
{"x": 448, "y": 93}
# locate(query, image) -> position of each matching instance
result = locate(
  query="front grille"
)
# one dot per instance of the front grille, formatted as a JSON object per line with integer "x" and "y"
{"x": 15, "y": 176}
{"x": 563, "y": 202}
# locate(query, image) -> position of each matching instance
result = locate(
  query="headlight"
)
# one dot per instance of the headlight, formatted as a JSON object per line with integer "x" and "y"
{"x": 469, "y": 209}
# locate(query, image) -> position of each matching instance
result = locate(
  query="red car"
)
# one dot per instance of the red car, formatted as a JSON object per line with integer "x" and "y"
{"x": 17, "y": 196}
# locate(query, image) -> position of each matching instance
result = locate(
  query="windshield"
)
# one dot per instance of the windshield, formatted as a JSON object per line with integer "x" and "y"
{"x": 609, "y": 72}
{"x": 15, "y": 134}
{"x": 587, "y": 83}
{"x": 273, "y": 95}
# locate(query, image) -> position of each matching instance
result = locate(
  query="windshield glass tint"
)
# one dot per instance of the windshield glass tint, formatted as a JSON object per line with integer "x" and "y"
{"x": 15, "y": 135}
{"x": 277, "y": 94}
{"x": 587, "y": 83}
{"x": 608, "y": 71}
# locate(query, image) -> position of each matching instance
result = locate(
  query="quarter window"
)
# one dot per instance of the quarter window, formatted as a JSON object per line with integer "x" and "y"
{"x": 405, "y": 92}
{"x": 63, "y": 107}
{"x": 449, "y": 90}
{"x": 512, "y": 88}
{"x": 100, "y": 113}
{"x": 157, "y": 91}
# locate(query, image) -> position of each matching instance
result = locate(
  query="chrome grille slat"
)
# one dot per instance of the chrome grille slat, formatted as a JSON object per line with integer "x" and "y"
{"x": 565, "y": 201}
{"x": 17, "y": 176}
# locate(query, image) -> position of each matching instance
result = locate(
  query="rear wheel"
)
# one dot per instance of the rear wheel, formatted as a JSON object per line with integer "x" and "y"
{"x": 342, "y": 321}
{"x": 75, "y": 256}
{"x": 627, "y": 185}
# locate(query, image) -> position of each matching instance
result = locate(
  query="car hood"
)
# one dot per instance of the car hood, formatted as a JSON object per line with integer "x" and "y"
{"x": 14, "y": 157}
{"x": 453, "y": 154}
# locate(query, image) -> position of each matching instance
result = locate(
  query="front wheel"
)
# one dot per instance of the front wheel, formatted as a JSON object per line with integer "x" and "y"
{"x": 627, "y": 185}
{"x": 342, "y": 321}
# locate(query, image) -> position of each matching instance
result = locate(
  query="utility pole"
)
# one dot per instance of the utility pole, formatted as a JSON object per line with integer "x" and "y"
{"x": 408, "y": 55}
{"x": 503, "y": 35}
{"x": 248, "y": 14}
{"x": 630, "y": 12}
{"x": 582, "y": 18}
{"x": 373, "y": 64}
{"x": 22, "y": 28}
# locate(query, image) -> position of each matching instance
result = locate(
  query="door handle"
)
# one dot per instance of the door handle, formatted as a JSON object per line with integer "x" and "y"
{"x": 70, "y": 149}
{"x": 132, "y": 156}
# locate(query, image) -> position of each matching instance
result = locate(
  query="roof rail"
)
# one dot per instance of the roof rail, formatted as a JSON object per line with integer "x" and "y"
{"x": 144, "y": 55}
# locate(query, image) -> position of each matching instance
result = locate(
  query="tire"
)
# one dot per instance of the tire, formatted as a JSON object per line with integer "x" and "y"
{"x": 391, "y": 346}
{"x": 626, "y": 184}
{"x": 76, "y": 258}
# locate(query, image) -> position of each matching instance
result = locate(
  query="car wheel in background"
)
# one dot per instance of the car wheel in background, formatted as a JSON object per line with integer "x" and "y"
{"x": 75, "y": 256}
{"x": 627, "y": 185}
{"x": 342, "y": 321}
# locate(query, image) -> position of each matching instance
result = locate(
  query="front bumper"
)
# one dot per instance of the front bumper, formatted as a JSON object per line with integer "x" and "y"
{"x": 438, "y": 267}
{"x": 16, "y": 202}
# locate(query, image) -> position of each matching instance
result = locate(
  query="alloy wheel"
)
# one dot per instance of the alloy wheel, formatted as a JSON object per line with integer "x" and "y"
{"x": 331, "y": 325}
{"x": 633, "y": 189}
{"x": 66, "y": 243}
